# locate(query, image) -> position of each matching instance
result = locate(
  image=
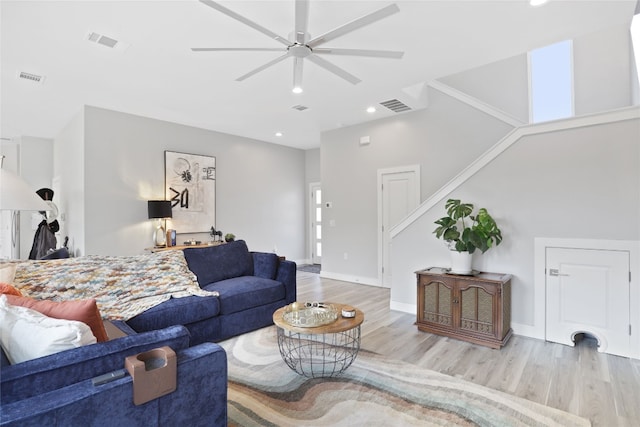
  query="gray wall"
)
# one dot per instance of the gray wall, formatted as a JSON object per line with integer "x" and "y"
{"x": 259, "y": 186}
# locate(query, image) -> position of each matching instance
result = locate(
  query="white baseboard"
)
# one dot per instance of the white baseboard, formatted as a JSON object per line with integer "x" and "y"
{"x": 371, "y": 281}
{"x": 402, "y": 306}
{"x": 527, "y": 331}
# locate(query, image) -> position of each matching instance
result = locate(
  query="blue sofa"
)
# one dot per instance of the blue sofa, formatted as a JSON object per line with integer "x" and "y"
{"x": 251, "y": 285}
{"x": 57, "y": 390}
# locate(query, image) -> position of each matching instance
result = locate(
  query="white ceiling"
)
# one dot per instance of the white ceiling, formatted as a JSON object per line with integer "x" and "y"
{"x": 157, "y": 75}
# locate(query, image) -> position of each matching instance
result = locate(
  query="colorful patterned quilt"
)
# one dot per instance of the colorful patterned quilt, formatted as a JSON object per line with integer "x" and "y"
{"x": 122, "y": 286}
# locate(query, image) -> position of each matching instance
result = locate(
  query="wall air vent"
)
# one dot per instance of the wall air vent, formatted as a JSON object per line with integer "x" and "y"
{"x": 300, "y": 107}
{"x": 395, "y": 106}
{"x": 103, "y": 40}
{"x": 31, "y": 77}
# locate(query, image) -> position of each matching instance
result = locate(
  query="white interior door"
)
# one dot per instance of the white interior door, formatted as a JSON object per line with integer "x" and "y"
{"x": 400, "y": 195}
{"x": 588, "y": 291}
{"x": 315, "y": 210}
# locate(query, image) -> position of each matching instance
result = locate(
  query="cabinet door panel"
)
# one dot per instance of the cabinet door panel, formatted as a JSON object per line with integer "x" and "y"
{"x": 476, "y": 312}
{"x": 437, "y": 303}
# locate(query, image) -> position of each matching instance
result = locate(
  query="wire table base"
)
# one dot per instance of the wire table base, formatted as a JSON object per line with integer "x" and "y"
{"x": 319, "y": 355}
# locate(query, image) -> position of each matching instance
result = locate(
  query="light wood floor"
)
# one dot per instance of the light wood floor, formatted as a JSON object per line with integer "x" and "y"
{"x": 600, "y": 387}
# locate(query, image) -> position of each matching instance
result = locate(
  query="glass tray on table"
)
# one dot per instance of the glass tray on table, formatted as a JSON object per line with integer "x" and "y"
{"x": 309, "y": 314}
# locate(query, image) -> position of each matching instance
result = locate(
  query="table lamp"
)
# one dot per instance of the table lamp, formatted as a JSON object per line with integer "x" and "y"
{"x": 160, "y": 210}
{"x": 16, "y": 195}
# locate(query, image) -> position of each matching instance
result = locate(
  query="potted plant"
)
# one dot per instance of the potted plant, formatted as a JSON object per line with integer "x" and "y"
{"x": 465, "y": 232}
{"x": 229, "y": 237}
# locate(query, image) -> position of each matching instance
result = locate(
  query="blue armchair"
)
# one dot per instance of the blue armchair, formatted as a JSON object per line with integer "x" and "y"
{"x": 57, "y": 390}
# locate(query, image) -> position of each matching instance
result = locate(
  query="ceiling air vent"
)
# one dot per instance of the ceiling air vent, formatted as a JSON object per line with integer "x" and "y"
{"x": 103, "y": 40}
{"x": 31, "y": 77}
{"x": 300, "y": 107}
{"x": 395, "y": 106}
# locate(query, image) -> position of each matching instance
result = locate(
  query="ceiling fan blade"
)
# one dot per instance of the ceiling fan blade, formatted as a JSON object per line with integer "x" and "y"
{"x": 246, "y": 21}
{"x": 333, "y": 69}
{"x": 263, "y": 67}
{"x": 359, "y": 52}
{"x": 236, "y": 49}
{"x": 297, "y": 72}
{"x": 354, "y": 25}
{"x": 302, "y": 20}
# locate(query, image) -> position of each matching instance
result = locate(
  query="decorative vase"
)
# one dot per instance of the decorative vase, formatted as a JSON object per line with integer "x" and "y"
{"x": 461, "y": 262}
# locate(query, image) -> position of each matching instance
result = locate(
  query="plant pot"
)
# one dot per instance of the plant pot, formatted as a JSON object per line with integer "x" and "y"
{"x": 461, "y": 262}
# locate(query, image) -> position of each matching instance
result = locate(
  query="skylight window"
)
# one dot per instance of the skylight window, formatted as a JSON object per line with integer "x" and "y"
{"x": 551, "y": 85}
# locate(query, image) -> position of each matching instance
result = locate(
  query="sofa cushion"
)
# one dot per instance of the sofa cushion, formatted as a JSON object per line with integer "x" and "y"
{"x": 176, "y": 311}
{"x": 85, "y": 311}
{"x": 26, "y": 334}
{"x": 215, "y": 263}
{"x": 265, "y": 264}
{"x": 241, "y": 293}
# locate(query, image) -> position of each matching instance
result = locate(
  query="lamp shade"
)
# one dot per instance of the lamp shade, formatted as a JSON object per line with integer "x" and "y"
{"x": 159, "y": 209}
{"x": 16, "y": 195}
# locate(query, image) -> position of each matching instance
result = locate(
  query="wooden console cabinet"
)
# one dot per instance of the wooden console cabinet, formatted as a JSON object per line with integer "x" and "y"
{"x": 473, "y": 308}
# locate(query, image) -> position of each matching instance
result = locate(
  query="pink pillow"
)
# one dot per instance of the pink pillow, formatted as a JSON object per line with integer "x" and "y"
{"x": 85, "y": 311}
{"x": 8, "y": 289}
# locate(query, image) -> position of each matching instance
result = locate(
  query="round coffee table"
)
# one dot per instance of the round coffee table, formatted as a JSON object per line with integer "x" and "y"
{"x": 320, "y": 351}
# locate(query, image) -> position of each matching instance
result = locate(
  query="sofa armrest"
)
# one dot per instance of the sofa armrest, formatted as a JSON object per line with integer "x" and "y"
{"x": 58, "y": 370}
{"x": 287, "y": 275}
{"x": 200, "y": 399}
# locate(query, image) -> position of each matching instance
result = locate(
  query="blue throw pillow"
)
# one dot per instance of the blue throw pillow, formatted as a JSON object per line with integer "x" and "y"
{"x": 215, "y": 263}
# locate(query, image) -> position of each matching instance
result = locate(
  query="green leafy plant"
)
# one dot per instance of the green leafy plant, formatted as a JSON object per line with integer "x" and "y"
{"x": 229, "y": 237}
{"x": 466, "y": 232}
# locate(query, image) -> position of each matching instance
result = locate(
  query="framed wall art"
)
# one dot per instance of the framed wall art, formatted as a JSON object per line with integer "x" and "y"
{"x": 190, "y": 185}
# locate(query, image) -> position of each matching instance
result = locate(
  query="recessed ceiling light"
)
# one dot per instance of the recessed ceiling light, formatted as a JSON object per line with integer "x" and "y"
{"x": 278, "y": 133}
{"x": 371, "y": 110}
{"x": 537, "y": 2}
{"x": 296, "y": 89}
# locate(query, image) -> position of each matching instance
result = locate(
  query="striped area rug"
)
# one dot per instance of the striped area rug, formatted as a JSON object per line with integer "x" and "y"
{"x": 374, "y": 391}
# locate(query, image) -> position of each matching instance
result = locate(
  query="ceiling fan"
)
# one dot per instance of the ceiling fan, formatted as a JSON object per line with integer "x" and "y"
{"x": 303, "y": 46}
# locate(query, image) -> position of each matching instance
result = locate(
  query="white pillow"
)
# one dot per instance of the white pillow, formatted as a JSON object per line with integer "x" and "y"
{"x": 7, "y": 273}
{"x": 26, "y": 334}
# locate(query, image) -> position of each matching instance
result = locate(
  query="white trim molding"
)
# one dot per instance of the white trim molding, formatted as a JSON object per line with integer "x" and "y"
{"x": 623, "y": 114}
{"x": 371, "y": 281}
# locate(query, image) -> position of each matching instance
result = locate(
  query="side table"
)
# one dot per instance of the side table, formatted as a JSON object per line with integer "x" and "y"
{"x": 321, "y": 351}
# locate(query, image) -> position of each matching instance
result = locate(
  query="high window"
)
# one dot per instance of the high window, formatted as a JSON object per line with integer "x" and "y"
{"x": 551, "y": 82}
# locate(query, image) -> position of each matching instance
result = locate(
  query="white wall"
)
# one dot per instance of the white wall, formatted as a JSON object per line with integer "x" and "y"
{"x": 582, "y": 183}
{"x": 36, "y": 167}
{"x": 260, "y": 187}
{"x": 443, "y": 139}
{"x": 69, "y": 176}
{"x": 503, "y": 85}
{"x": 602, "y": 70}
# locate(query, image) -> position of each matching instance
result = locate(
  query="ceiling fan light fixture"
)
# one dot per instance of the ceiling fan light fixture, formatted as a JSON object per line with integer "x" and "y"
{"x": 296, "y": 89}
